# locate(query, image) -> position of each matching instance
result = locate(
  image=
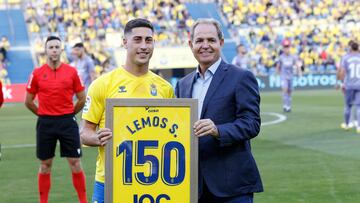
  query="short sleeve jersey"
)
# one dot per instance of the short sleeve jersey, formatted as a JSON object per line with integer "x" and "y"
{"x": 287, "y": 64}
{"x": 55, "y": 89}
{"x": 119, "y": 83}
{"x": 351, "y": 63}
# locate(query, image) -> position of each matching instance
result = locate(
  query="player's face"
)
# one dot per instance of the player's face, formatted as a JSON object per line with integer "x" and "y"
{"x": 140, "y": 45}
{"x": 206, "y": 44}
{"x": 53, "y": 50}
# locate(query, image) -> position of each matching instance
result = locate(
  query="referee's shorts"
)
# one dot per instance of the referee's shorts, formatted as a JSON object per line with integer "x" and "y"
{"x": 64, "y": 128}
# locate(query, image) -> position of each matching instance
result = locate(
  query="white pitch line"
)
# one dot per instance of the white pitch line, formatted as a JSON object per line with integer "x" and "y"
{"x": 281, "y": 118}
{"x": 18, "y": 146}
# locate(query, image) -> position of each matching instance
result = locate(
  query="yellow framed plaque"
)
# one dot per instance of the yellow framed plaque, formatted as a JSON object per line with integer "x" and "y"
{"x": 153, "y": 155}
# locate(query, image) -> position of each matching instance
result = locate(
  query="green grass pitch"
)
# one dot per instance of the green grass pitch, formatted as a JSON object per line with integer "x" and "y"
{"x": 306, "y": 158}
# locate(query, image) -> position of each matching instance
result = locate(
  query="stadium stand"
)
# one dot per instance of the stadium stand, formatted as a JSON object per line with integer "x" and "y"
{"x": 319, "y": 30}
{"x": 95, "y": 23}
{"x": 18, "y": 64}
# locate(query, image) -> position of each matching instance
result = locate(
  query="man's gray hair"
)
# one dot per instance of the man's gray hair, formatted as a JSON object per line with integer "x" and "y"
{"x": 209, "y": 21}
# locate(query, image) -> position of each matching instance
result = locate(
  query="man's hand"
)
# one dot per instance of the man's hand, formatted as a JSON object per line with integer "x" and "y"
{"x": 90, "y": 137}
{"x": 104, "y": 135}
{"x": 205, "y": 127}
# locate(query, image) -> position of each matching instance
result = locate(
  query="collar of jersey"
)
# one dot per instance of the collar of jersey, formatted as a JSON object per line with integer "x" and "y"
{"x": 61, "y": 64}
{"x": 124, "y": 71}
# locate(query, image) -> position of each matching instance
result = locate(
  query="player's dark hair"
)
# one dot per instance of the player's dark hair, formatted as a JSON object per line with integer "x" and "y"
{"x": 355, "y": 46}
{"x": 79, "y": 45}
{"x": 52, "y": 38}
{"x": 138, "y": 22}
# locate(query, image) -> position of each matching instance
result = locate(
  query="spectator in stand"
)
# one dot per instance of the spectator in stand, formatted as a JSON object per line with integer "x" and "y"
{"x": 309, "y": 25}
{"x": 97, "y": 20}
{"x": 4, "y": 74}
{"x": 84, "y": 64}
{"x": 4, "y": 47}
{"x": 260, "y": 25}
{"x": 241, "y": 60}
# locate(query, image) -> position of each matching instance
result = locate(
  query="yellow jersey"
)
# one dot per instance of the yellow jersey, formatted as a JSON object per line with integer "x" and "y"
{"x": 119, "y": 83}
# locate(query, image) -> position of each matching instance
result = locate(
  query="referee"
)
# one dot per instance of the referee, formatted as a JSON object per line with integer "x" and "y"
{"x": 55, "y": 83}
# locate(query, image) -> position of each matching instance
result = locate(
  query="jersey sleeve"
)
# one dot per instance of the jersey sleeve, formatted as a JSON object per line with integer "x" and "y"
{"x": 32, "y": 85}
{"x": 171, "y": 93}
{"x": 78, "y": 86}
{"x": 95, "y": 102}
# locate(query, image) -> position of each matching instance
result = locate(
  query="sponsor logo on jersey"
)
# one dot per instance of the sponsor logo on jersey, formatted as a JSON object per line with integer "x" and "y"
{"x": 122, "y": 89}
{"x": 153, "y": 90}
{"x": 87, "y": 104}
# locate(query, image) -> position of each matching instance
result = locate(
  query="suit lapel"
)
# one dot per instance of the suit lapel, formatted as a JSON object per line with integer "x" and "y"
{"x": 189, "y": 86}
{"x": 214, "y": 85}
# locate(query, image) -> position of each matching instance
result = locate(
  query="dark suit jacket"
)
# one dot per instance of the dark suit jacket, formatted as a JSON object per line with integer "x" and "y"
{"x": 232, "y": 103}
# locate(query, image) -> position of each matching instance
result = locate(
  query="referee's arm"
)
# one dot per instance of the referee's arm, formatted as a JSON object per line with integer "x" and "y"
{"x": 80, "y": 101}
{"x": 90, "y": 137}
{"x": 30, "y": 104}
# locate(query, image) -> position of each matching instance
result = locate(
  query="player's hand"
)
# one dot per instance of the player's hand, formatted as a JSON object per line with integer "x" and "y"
{"x": 103, "y": 135}
{"x": 205, "y": 127}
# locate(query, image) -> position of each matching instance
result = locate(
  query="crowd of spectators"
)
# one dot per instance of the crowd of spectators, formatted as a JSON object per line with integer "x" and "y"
{"x": 4, "y": 48}
{"x": 95, "y": 22}
{"x": 319, "y": 30}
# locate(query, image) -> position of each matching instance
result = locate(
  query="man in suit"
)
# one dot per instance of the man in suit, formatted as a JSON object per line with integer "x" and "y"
{"x": 229, "y": 117}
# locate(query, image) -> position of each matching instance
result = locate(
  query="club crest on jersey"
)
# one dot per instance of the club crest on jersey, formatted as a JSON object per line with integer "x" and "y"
{"x": 153, "y": 90}
{"x": 122, "y": 89}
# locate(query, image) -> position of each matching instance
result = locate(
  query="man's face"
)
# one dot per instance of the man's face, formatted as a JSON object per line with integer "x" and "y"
{"x": 206, "y": 44}
{"x": 140, "y": 45}
{"x": 286, "y": 49}
{"x": 53, "y": 50}
{"x": 241, "y": 50}
{"x": 76, "y": 52}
